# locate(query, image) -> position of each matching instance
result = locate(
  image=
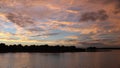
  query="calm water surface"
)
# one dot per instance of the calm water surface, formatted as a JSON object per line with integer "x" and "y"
{"x": 61, "y": 60}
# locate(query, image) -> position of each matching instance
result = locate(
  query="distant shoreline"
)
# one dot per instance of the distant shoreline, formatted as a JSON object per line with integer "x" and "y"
{"x": 48, "y": 49}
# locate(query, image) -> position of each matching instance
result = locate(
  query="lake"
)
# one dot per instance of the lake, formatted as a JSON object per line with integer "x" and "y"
{"x": 61, "y": 60}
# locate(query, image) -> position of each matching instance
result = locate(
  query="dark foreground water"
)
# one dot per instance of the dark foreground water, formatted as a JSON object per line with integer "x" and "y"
{"x": 61, "y": 60}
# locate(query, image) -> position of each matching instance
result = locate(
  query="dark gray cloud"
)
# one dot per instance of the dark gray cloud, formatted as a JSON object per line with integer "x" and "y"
{"x": 20, "y": 19}
{"x": 47, "y": 34}
{"x": 117, "y": 11}
{"x": 26, "y": 22}
{"x": 116, "y": 4}
{"x": 117, "y": 8}
{"x": 105, "y": 1}
{"x": 34, "y": 29}
{"x": 78, "y": 8}
{"x": 93, "y": 44}
{"x": 93, "y": 16}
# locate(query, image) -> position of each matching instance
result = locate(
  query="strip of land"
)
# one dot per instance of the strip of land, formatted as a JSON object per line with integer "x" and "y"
{"x": 49, "y": 49}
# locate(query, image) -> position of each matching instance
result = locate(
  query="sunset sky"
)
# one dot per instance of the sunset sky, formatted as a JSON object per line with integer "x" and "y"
{"x": 65, "y": 22}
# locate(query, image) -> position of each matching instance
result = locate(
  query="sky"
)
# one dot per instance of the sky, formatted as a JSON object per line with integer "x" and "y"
{"x": 64, "y": 22}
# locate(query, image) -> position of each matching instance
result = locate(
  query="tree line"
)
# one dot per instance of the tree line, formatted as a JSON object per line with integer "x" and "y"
{"x": 38, "y": 48}
{"x": 47, "y": 49}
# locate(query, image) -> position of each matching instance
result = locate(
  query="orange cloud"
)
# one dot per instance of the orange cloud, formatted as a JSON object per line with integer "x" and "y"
{"x": 72, "y": 37}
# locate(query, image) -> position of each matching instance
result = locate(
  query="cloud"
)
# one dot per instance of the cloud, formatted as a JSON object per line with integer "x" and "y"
{"x": 20, "y": 19}
{"x": 72, "y": 37}
{"x": 48, "y": 34}
{"x": 115, "y": 3}
{"x": 93, "y": 16}
{"x": 94, "y": 44}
